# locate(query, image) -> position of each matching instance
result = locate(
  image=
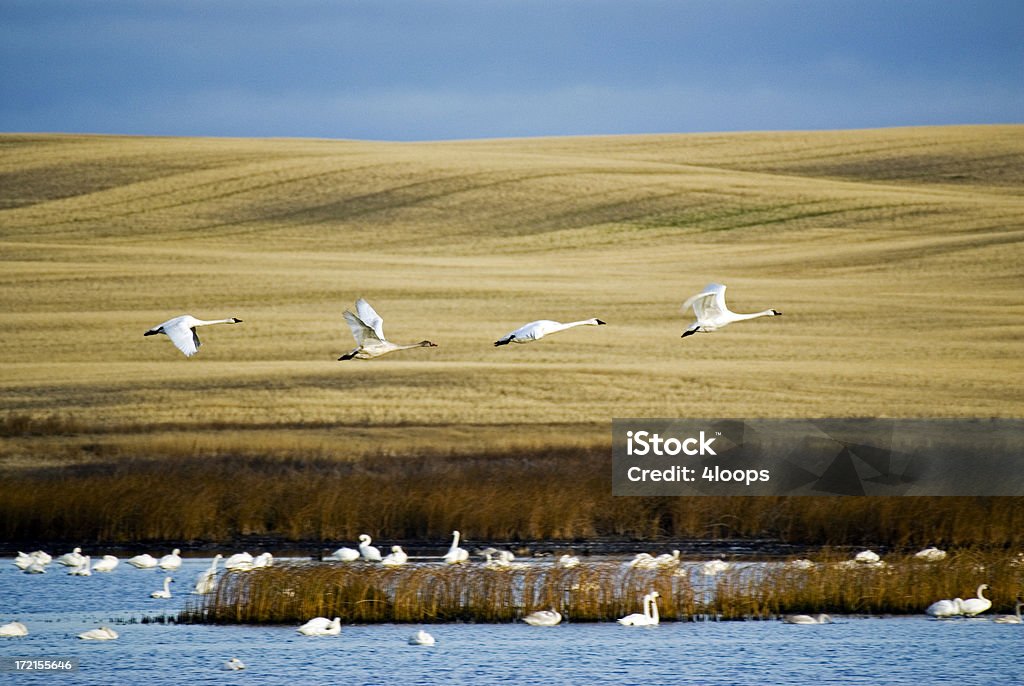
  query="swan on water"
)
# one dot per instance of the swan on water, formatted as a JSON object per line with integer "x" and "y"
{"x": 932, "y": 554}
{"x": 534, "y": 331}
{"x": 102, "y": 634}
{"x": 567, "y": 561}
{"x": 84, "y": 569}
{"x": 975, "y": 606}
{"x": 72, "y": 559}
{"x": 368, "y": 552}
{"x": 13, "y": 629}
{"x": 712, "y": 313}
{"x": 321, "y": 626}
{"x": 344, "y": 555}
{"x": 866, "y": 557}
{"x": 182, "y": 331}
{"x": 1010, "y": 619}
{"x": 240, "y": 562}
{"x": 714, "y": 567}
{"x": 543, "y": 618}
{"x": 368, "y": 329}
{"x": 396, "y": 558}
{"x": 667, "y": 559}
{"x": 207, "y": 579}
{"x": 144, "y": 561}
{"x": 455, "y": 554}
{"x": 107, "y": 564}
{"x": 807, "y": 619}
{"x": 421, "y": 638}
{"x": 263, "y": 560}
{"x": 166, "y": 593}
{"x": 941, "y": 609}
{"x": 171, "y": 561}
{"x": 234, "y": 664}
{"x": 650, "y": 615}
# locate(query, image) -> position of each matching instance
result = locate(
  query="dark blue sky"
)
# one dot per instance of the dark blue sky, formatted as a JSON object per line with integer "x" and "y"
{"x": 411, "y": 70}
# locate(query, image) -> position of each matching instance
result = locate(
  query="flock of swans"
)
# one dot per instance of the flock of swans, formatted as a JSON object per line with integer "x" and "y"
{"x": 367, "y": 326}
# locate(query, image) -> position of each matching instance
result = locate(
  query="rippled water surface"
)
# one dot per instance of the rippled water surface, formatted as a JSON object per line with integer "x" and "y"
{"x": 56, "y": 607}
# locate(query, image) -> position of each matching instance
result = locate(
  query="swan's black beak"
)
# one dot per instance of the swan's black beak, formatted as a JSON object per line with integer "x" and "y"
{"x": 237, "y": 320}
{"x": 600, "y": 322}
{"x": 776, "y": 313}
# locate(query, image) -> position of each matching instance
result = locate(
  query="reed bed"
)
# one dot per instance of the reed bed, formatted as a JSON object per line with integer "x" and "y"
{"x": 599, "y": 591}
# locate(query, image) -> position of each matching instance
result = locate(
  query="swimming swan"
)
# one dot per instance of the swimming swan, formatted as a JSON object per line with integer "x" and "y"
{"x": 543, "y": 618}
{"x": 1010, "y": 619}
{"x": 455, "y": 554}
{"x": 807, "y": 619}
{"x": 234, "y": 664}
{"x": 84, "y": 569}
{"x": 144, "y": 561}
{"x": 368, "y": 330}
{"x": 975, "y": 606}
{"x": 650, "y": 615}
{"x": 712, "y": 313}
{"x": 166, "y": 593}
{"x": 182, "y": 331}
{"x": 72, "y": 559}
{"x": 397, "y": 557}
{"x": 567, "y": 562}
{"x": 932, "y": 554}
{"x": 368, "y": 552}
{"x": 107, "y": 564}
{"x": 344, "y": 555}
{"x": 534, "y": 331}
{"x": 945, "y": 608}
{"x": 241, "y": 562}
{"x": 321, "y": 626}
{"x": 13, "y": 629}
{"x": 170, "y": 562}
{"x": 421, "y": 638}
{"x": 207, "y": 580}
{"x": 102, "y": 634}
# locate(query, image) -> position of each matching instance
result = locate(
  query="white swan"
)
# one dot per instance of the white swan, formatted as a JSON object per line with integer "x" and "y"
{"x": 84, "y": 569}
{"x": 143, "y": 561}
{"x": 24, "y": 560}
{"x": 166, "y": 593}
{"x": 567, "y": 562}
{"x": 72, "y": 559}
{"x": 171, "y": 561}
{"x": 35, "y": 568}
{"x": 421, "y": 638}
{"x": 107, "y": 564}
{"x": 945, "y": 608}
{"x": 869, "y": 557}
{"x": 714, "y": 567}
{"x": 650, "y": 615}
{"x": 368, "y": 330}
{"x": 975, "y": 606}
{"x": 543, "y": 618}
{"x": 368, "y": 552}
{"x": 534, "y": 331}
{"x": 263, "y": 560}
{"x": 455, "y": 554}
{"x": 712, "y": 313}
{"x": 234, "y": 664}
{"x": 643, "y": 561}
{"x": 801, "y": 563}
{"x": 667, "y": 560}
{"x": 239, "y": 562}
{"x": 102, "y": 634}
{"x": 932, "y": 554}
{"x": 321, "y": 626}
{"x": 13, "y": 629}
{"x": 807, "y": 619}
{"x": 182, "y": 331}
{"x": 207, "y": 580}
{"x": 344, "y": 555}
{"x": 397, "y": 557}
{"x": 1010, "y": 619}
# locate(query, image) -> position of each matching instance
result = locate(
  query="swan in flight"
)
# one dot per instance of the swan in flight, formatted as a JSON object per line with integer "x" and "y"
{"x": 144, "y": 561}
{"x": 170, "y": 562}
{"x": 975, "y": 606}
{"x": 543, "y": 618}
{"x": 182, "y": 331}
{"x": 344, "y": 555}
{"x": 102, "y": 634}
{"x": 321, "y": 626}
{"x": 107, "y": 564}
{"x": 945, "y": 608}
{"x": 234, "y": 664}
{"x": 650, "y": 615}
{"x": 72, "y": 559}
{"x": 534, "y": 331}
{"x": 455, "y": 554}
{"x": 421, "y": 638}
{"x": 166, "y": 593}
{"x": 712, "y": 313}
{"x": 807, "y": 619}
{"x": 1010, "y": 619}
{"x": 397, "y": 557}
{"x": 932, "y": 554}
{"x": 13, "y": 629}
{"x": 368, "y": 552}
{"x": 368, "y": 330}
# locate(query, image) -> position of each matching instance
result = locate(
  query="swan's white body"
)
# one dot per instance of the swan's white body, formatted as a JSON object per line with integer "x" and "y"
{"x": 171, "y": 561}
{"x": 144, "y": 561}
{"x": 84, "y": 569}
{"x": 207, "y": 580}
{"x": 543, "y": 618}
{"x": 667, "y": 559}
{"x": 714, "y": 567}
{"x": 650, "y": 615}
{"x": 182, "y": 331}
{"x": 534, "y": 331}
{"x": 166, "y": 593}
{"x": 945, "y": 608}
{"x": 1010, "y": 619}
{"x": 263, "y": 560}
{"x": 239, "y": 562}
{"x": 421, "y": 638}
{"x": 344, "y": 555}
{"x": 807, "y": 619}
{"x": 368, "y": 329}
{"x": 13, "y": 629}
{"x": 35, "y": 568}
{"x": 102, "y": 634}
{"x": 455, "y": 554}
{"x": 568, "y": 562}
{"x": 975, "y": 606}
{"x": 712, "y": 313}
{"x": 368, "y": 552}
{"x": 396, "y": 558}
{"x": 234, "y": 664}
{"x": 868, "y": 557}
{"x": 72, "y": 559}
{"x": 321, "y": 626}
{"x": 23, "y": 560}
{"x": 643, "y": 561}
{"x": 932, "y": 554}
{"x": 107, "y": 564}
{"x": 802, "y": 563}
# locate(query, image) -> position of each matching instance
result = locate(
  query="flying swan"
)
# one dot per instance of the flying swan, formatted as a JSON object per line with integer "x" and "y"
{"x": 534, "y": 331}
{"x": 712, "y": 313}
{"x": 368, "y": 330}
{"x": 182, "y": 331}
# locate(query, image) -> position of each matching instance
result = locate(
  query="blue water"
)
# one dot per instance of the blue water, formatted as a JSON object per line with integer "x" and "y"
{"x": 56, "y": 607}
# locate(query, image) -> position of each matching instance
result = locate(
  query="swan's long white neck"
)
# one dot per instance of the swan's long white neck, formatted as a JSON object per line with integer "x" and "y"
{"x": 167, "y": 584}
{"x": 455, "y": 540}
{"x": 755, "y": 315}
{"x": 569, "y": 325}
{"x": 204, "y": 322}
{"x": 980, "y": 592}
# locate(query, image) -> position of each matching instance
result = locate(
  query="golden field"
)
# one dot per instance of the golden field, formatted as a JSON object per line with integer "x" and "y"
{"x": 896, "y": 256}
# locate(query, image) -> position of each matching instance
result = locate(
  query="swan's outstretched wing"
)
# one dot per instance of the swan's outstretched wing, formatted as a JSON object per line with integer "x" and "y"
{"x": 709, "y": 303}
{"x": 369, "y": 316}
{"x": 183, "y": 337}
{"x": 367, "y": 326}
